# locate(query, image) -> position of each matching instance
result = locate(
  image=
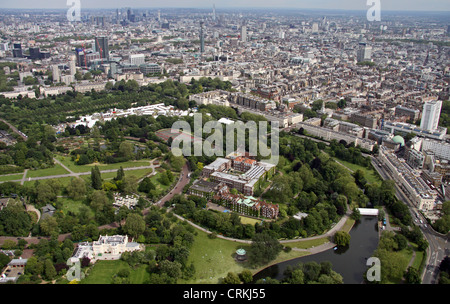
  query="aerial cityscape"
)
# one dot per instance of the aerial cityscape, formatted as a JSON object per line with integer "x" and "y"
{"x": 114, "y": 121}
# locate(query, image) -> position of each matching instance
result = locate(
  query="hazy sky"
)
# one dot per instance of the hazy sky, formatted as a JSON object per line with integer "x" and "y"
{"x": 400, "y": 5}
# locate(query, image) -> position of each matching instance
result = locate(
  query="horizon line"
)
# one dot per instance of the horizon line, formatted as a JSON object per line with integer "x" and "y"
{"x": 229, "y": 8}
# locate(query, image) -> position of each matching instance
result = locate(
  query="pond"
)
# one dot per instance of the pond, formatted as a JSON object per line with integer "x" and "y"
{"x": 349, "y": 262}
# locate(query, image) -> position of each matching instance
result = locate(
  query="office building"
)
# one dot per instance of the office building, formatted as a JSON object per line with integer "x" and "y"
{"x": 364, "y": 52}
{"x": 137, "y": 59}
{"x": 430, "y": 115}
{"x": 244, "y": 33}
{"x": 202, "y": 39}
{"x": 315, "y": 27}
{"x": 72, "y": 65}
{"x": 101, "y": 46}
{"x": 35, "y": 53}
{"x": 55, "y": 73}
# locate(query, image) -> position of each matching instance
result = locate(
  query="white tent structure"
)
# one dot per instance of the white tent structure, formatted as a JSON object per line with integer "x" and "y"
{"x": 368, "y": 211}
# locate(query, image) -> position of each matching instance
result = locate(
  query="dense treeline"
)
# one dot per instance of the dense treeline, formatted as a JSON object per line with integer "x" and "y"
{"x": 35, "y": 153}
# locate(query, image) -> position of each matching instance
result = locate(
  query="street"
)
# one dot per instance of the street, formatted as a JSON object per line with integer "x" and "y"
{"x": 438, "y": 244}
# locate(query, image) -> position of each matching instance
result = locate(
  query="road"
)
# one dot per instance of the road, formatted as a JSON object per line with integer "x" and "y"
{"x": 438, "y": 243}
{"x": 15, "y": 129}
{"x": 182, "y": 181}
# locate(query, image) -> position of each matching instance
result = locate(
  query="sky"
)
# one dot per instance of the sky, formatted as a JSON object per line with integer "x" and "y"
{"x": 396, "y": 5}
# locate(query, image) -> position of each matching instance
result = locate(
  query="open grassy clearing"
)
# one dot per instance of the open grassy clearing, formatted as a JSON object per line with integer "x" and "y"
{"x": 5, "y": 178}
{"x": 369, "y": 174}
{"x": 103, "y": 271}
{"x": 56, "y": 170}
{"x": 66, "y": 160}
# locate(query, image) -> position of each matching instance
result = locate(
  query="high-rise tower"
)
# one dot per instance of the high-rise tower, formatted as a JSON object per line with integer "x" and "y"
{"x": 430, "y": 115}
{"x": 244, "y": 33}
{"x": 202, "y": 39}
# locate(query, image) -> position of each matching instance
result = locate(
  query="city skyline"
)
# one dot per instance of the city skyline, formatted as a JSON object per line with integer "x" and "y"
{"x": 397, "y": 5}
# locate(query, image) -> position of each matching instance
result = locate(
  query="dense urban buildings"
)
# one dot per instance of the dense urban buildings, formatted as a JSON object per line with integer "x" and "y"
{"x": 370, "y": 98}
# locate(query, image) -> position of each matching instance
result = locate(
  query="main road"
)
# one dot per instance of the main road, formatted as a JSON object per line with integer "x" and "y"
{"x": 438, "y": 243}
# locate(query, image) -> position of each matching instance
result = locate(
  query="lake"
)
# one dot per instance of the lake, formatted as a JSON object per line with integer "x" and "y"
{"x": 349, "y": 262}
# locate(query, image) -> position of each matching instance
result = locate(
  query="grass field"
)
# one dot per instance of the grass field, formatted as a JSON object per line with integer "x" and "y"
{"x": 86, "y": 168}
{"x": 307, "y": 244}
{"x": 103, "y": 271}
{"x": 369, "y": 174}
{"x": 348, "y": 225}
{"x": 214, "y": 258}
{"x": 5, "y": 178}
{"x": 72, "y": 205}
{"x": 248, "y": 220}
{"x": 56, "y": 170}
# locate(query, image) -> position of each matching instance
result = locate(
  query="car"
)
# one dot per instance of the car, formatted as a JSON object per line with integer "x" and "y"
{"x": 425, "y": 225}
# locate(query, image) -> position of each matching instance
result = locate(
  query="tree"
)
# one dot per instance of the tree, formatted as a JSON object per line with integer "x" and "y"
{"x": 231, "y": 278}
{"x": 120, "y": 174}
{"x": 146, "y": 185}
{"x": 129, "y": 184}
{"x": 246, "y": 276}
{"x": 264, "y": 248}
{"x": 49, "y": 226}
{"x": 49, "y": 270}
{"x": 135, "y": 225}
{"x": 76, "y": 188}
{"x": 96, "y": 178}
{"x": 99, "y": 200}
{"x": 412, "y": 276}
{"x": 126, "y": 150}
{"x": 342, "y": 238}
{"x": 356, "y": 215}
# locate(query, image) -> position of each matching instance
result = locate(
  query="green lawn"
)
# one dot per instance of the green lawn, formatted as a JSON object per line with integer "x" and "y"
{"x": 248, "y": 220}
{"x": 369, "y": 174}
{"x": 307, "y": 244}
{"x": 214, "y": 258}
{"x": 5, "y": 178}
{"x": 348, "y": 225}
{"x": 160, "y": 187}
{"x": 86, "y": 168}
{"x": 139, "y": 173}
{"x": 103, "y": 271}
{"x": 418, "y": 258}
{"x": 56, "y": 170}
{"x": 72, "y": 205}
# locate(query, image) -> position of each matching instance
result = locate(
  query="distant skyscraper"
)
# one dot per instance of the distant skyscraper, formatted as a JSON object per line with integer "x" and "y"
{"x": 364, "y": 52}
{"x": 101, "y": 46}
{"x": 35, "y": 53}
{"x": 214, "y": 12}
{"x": 430, "y": 115}
{"x": 202, "y": 39}
{"x": 55, "y": 73}
{"x": 159, "y": 16}
{"x": 72, "y": 65}
{"x": 244, "y": 33}
{"x": 315, "y": 27}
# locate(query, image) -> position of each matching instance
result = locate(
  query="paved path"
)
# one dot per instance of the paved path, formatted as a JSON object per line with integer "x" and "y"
{"x": 75, "y": 174}
{"x": 24, "y": 176}
{"x": 64, "y": 166}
